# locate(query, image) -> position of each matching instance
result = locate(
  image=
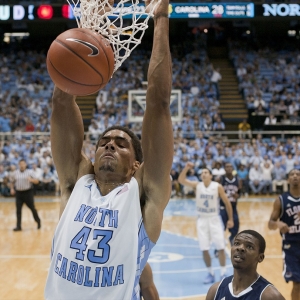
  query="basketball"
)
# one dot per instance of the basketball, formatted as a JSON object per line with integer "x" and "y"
{"x": 80, "y": 62}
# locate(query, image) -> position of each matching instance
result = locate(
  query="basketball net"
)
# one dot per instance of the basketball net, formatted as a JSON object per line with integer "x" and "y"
{"x": 123, "y": 25}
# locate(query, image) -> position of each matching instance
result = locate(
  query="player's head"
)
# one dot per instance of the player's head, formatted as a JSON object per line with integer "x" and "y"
{"x": 248, "y": 249}
{"x": 206, "y": 174}
{"x": 228, "y": 168}
{"x": 294, "y": 178}
{"x": 136, "y": 143}
{"x": 118, "y": 150}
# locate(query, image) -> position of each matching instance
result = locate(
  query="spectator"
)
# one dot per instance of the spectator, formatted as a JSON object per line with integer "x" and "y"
{"x": 47, "y": 180}
{"x": 295, "y": 119}
{"x": 176, "y": 189}
{"x": 289, "y": 163}
{"x": 279, "y": 176}
{"x": 38, "y": 173}
{"x": 3, "y": 174}
{"x": 293, "y": 107}
{"x": 267, "y": 169}
{"x": 270, "y": 120}
{"x": 243, "y": 176}
{"x": 218, "y": 125}
{"x": 256, "y": 179}
{"x": 244, "y": 130}
{"x": 93, "y": 130}
{"x": 218, "y": 171}
{"x": 56, "y": 183}
{"x": 260, "y": 110}
{"x": 215, "y": 78}
{"x": 5, "y": 187}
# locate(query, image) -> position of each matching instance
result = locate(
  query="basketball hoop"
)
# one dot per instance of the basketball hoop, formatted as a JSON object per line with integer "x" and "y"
{"x": 123, "y": 24}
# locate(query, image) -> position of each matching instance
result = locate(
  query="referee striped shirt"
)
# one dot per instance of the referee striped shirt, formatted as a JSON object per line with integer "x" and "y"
{"x": 21, "y": 179}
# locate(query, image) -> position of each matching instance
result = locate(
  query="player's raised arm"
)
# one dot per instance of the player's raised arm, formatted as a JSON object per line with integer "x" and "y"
{"x": 157, "y": 132}
{"x": 182, "y": 176}
{"x": 67, "y": 134}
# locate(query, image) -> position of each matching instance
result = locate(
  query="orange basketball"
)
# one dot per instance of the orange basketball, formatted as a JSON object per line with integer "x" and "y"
{"x": 80, "y": 62}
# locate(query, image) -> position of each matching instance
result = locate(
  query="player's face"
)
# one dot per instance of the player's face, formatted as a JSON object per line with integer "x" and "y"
{"x": 294, "y": 178}
{"x": 245, "y": 252}
{"x": 205, "y": 175}
{"x": 115, "y": 153}
{"x": 228, "y": 169}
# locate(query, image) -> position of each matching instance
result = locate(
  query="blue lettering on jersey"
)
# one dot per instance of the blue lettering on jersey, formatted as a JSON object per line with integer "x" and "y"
{"x": 204, "y": 196}
{"x": 206, "y": 210}
{"x": 81, "y": 275}
{"x": 89, "y": 215}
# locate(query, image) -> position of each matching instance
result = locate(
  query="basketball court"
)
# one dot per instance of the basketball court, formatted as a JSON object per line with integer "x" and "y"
{"x": 176, "y": 259}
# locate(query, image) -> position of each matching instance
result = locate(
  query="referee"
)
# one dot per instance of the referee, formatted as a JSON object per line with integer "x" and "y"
{"x": 21, "y": 186}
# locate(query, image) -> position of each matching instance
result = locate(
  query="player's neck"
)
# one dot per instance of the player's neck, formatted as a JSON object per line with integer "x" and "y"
{"x": 242, "y": 279}
{"x": 106, "y": 187}
{"x": 295, "y": 192}
{"x": 207, "y": 183}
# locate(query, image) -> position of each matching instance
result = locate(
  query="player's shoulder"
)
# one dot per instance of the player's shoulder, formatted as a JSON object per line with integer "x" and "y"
{"x": 271, "y": 293}
{"x": 212, "y": 291}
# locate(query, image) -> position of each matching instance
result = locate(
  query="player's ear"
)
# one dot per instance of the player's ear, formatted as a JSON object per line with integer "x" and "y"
{"x": 135, "y": 166}
{"x": 261, "y": 257}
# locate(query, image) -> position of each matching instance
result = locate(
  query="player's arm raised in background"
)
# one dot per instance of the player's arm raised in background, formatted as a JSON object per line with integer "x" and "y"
{"x": 157, "y": 132}
{"x": 228, "y": 206}
{"x": 67, "y": 133}
{"x": 182, "y": 176}
{"x": 274, "y": 223}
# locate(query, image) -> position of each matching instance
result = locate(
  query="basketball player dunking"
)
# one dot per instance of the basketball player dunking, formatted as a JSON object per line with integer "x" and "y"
{"x": 209, "y": 223}
{"x": 245, "y": 284}
{"x": 111, "y": 212}
{"x": 286, "y": 217}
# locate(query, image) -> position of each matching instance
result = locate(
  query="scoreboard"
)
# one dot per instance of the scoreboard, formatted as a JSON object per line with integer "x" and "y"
{"x": 238, "y": 10}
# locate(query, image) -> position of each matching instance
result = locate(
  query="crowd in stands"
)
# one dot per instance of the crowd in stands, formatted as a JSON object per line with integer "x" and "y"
{"x": 25, "y": 109}
{"x": 262, "y": 164}
{"x": 269, "y": 81}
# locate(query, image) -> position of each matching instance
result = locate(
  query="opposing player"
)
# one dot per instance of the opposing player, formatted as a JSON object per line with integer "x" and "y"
{"x": 209, "y": 223}
{"x": 231, "y": 186}
{"x": 111, "y": 212}
{"x": 246, "y": 284}
{"x": 286, "y": 217}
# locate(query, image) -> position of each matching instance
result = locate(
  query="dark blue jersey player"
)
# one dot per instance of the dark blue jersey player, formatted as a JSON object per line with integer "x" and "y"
{"x": 286, "y": 217}
{"x": 246, "y": 284}
{"x": 231, "y": 187}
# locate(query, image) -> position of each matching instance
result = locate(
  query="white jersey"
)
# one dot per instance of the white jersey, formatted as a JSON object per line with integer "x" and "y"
{"x": 100, "y": 246}
{"x": 207, "y": 199}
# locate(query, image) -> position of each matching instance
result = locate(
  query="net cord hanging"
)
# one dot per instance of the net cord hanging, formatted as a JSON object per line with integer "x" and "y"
{"x": 123, "y": 24}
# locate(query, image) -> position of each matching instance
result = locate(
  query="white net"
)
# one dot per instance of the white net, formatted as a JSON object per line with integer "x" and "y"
{"x": 123, "y": 23}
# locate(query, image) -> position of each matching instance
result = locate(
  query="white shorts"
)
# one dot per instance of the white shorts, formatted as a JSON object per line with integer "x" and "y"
{"x": 210, "y": 231}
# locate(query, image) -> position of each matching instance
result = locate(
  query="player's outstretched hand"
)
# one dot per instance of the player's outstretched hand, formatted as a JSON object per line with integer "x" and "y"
{"x": 161, "y": 8}
{"x": 189, "y": 165}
